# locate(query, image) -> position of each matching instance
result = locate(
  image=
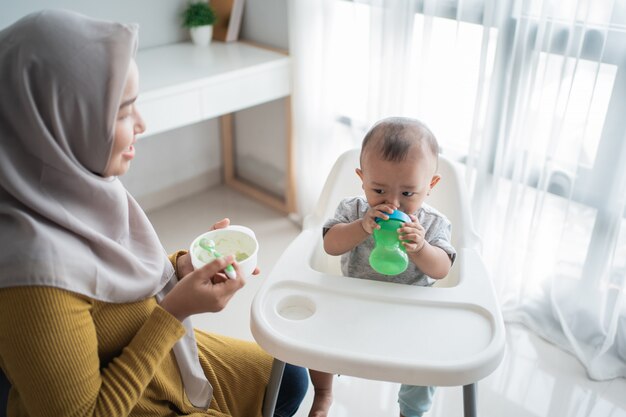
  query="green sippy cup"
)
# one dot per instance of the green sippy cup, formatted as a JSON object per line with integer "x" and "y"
{"x": 389, "y": 255}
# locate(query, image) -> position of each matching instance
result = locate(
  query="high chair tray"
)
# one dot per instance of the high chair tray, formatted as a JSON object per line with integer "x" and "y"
{"x": 379, "y": 330}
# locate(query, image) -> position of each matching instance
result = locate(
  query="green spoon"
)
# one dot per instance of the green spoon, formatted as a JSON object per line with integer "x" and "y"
{"x": 209, "y": 246}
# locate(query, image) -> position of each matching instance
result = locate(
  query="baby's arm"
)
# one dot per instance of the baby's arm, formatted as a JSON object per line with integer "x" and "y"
{"x": 431, "y": 260}
{"x": 343, "y": 237}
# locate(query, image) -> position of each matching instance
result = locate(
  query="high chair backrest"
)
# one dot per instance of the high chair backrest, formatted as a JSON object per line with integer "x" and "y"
{"x": 449, "y": 197}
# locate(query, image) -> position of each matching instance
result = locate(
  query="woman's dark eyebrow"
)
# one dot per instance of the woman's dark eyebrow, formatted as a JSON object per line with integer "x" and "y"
{"x": 128, "y": 102}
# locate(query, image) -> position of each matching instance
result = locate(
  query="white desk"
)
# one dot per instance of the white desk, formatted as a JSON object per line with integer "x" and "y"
{"x": 183, "y": 84}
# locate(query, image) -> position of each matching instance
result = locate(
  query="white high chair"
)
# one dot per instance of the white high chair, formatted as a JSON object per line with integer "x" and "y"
{"x": 307, "y": 314}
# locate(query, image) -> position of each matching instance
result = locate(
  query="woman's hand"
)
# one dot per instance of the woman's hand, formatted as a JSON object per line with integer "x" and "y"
{"x": 225, "y": 222}
{"x": 205, "y": 290}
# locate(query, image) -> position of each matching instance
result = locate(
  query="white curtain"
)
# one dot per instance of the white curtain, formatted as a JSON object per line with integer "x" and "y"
{"x": 531, "y": 96}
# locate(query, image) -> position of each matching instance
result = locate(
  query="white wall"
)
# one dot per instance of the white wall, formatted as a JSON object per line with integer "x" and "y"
{"x": 265, "y": 21}
{"x": 158, "y": 19}
{"x": 183, "y": 161}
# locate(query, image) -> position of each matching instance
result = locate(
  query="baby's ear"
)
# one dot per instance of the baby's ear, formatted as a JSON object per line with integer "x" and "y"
{"x": 360, "y": 174}
{"x": 434, "y": 181}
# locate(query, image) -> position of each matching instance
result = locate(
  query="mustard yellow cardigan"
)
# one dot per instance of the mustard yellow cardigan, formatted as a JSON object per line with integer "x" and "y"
{"x": 69, "y": 355}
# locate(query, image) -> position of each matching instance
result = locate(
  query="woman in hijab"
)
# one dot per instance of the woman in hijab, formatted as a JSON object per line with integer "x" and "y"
{"x": 94, "y": 316}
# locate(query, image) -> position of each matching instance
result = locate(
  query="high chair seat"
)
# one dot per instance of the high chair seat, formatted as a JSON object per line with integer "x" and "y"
{"x": 308, "y": 314}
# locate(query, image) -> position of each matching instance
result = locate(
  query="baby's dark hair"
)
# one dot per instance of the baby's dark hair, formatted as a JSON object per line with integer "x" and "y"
{"x": 394, "y": 136}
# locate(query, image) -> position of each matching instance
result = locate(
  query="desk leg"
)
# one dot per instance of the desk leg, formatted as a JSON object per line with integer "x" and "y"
{"x": 287, "y": 203}
{"x": 271, "y": 392}
{"x": 469, "y": 400}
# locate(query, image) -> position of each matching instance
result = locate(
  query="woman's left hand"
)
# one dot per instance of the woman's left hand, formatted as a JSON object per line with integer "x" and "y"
{"x": 183, "y": 263}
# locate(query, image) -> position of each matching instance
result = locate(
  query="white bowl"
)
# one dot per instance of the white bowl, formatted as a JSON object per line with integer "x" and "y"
{"x": 239, "y": 241}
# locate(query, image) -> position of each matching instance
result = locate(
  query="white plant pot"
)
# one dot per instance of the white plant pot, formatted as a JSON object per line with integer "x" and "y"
{"x": 201, "y": 35}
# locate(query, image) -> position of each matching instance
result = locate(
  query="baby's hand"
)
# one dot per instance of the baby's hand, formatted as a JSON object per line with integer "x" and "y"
{"x": 412, "y": 235}
{"x": 368, "y": 222}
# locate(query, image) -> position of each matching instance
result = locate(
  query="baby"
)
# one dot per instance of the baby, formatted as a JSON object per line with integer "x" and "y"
{"x": 398, "y": 170}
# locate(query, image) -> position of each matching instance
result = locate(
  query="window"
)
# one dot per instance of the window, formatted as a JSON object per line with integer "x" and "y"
{"x": 536, "y": 84}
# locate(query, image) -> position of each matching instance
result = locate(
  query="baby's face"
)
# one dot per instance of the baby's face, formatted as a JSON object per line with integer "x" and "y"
{"x": 404, "y": 185}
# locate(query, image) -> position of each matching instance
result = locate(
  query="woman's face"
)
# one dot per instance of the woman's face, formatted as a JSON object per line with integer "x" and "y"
{"x": 127, "y": 124}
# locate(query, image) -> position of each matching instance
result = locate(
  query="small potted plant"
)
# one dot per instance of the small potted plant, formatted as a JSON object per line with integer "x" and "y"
{"x": 199, "y": 17}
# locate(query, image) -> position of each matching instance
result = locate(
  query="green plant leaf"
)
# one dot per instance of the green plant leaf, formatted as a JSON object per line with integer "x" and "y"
{"x": 198, "y": 14}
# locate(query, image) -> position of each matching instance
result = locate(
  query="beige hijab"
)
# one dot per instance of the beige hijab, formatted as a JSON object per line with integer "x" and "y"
{"x": 62, "y": 224}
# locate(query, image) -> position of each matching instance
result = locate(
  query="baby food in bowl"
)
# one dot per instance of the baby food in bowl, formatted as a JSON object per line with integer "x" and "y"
{"x": 238, "y": 241}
